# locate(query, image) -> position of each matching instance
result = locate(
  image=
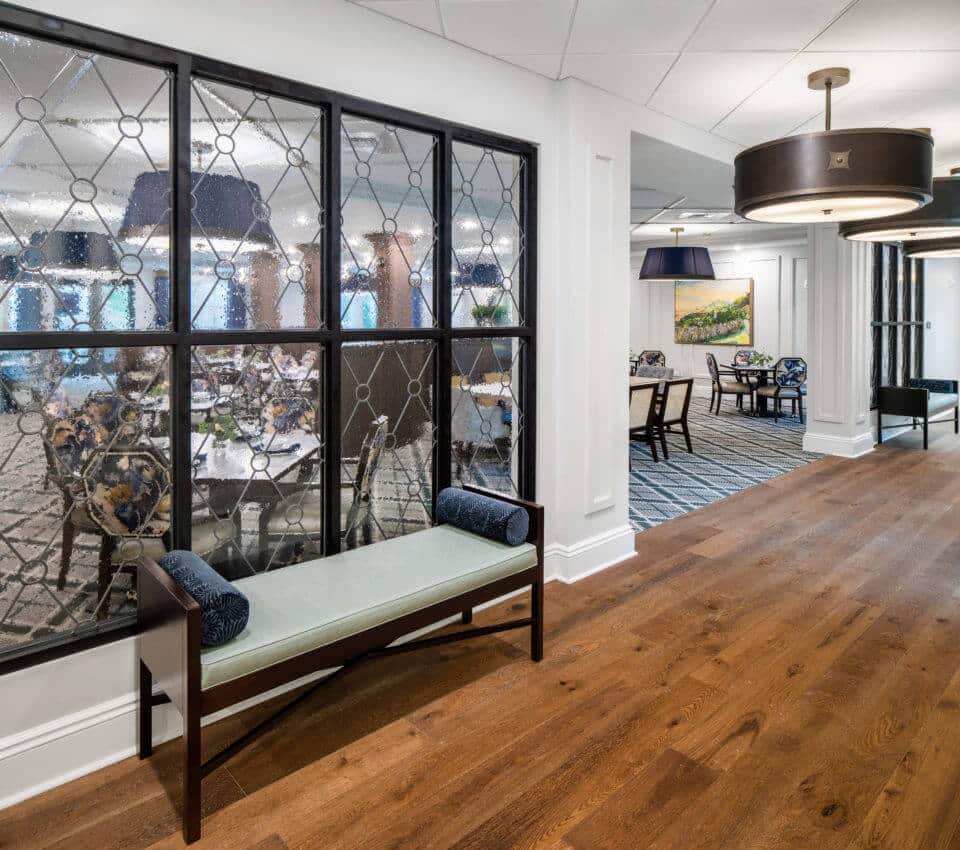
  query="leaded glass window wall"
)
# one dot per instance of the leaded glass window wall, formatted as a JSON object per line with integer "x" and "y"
{"x": 195, "y": 354}
{"x": 388, "y": 224}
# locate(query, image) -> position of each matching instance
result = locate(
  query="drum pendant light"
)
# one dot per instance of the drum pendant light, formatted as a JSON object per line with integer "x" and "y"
{"x": 940, "y": 219}
{"x": 677, "y": 263}
{"x": 835, "y": 175}
{"x": 932, "y": 249}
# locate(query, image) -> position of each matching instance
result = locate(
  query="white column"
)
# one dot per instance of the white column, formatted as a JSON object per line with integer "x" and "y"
{"x": 586, "y": 354}
{"x": 838, "y": 312}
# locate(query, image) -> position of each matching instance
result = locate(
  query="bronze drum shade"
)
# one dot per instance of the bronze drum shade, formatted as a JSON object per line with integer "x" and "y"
{"x": 937, "y": 220}
{"x": 835, "y": 176}
{"x": 931, "y": 249}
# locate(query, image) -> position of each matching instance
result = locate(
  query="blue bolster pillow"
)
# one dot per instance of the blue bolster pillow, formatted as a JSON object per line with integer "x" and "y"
{"x": 483, "y": 515}
{"x": 224, "y": 610}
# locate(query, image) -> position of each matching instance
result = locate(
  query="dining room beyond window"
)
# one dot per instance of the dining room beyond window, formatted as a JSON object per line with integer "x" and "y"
{"x": 239, "y": 315}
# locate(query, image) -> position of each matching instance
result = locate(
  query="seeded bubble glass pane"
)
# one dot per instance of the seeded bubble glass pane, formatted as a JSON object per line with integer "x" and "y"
{"x": 388, "y": 439}
{"x": 257, "y": 448}
{"x": 258, "y": 216}
{"x": 487, "y": 421}
{"x": 80, "y": 134}
{"x": 488, "y": 242}
{"x": 389, "y": 225}
{"x": 84, "y": 485}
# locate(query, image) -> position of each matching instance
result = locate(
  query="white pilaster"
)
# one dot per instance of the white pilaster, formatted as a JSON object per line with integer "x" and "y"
{"x": 838, "y": 299}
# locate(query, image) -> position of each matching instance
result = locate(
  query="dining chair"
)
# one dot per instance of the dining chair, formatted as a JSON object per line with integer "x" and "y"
{"x": 643, "y": 418}
{"x": 720, "y": 387}
{"x": 673, "y": 409}
{"x": 789, "y": 376}
{"x": 742, "y": 357}
{"x": 653, "y": 358}
{"x": 299, "y": 517}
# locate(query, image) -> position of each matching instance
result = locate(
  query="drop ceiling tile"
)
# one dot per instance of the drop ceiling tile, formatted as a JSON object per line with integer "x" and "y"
{"x": 763, "y": 24}
{"x": 634, "y": 26}
{"x": 633, "y": 76}
{"x": 547, "y": 64}
{"x": 420, "y": 13}
{"x": 895, "y": 25}
{"x": 509, "y": 27}
{"x": 703, "y": 87}
{"x": 870, "y": 107}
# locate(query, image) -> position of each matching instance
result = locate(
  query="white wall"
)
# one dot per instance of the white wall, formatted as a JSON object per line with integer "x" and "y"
{"x": 779, "y": 274}
{"x": 941, "y": 341}
{"x": 70, "y": 716}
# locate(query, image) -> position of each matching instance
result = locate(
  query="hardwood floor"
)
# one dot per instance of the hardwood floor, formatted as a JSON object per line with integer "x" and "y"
{"x": 778, "y": 670}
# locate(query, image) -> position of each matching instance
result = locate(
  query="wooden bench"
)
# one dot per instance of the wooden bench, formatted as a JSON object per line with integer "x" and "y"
{"x": 333, "y": 612}
{"x": 922, "y": 399}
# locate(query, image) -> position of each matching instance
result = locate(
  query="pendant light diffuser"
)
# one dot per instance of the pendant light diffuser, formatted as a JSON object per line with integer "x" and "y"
{"x": 932, "y": 249}
{"x": 835, "y": 175}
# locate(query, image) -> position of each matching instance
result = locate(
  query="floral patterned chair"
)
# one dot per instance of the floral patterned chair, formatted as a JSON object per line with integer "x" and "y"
{"x": 653, "y": 358}
{"x": 790, "y": 374}
{"x": 742, "y": 357}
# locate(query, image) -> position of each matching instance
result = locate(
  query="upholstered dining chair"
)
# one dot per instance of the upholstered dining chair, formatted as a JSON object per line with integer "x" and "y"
{"x": 742, "y": 357}
{"x": 720, "y": 385}
{"x": 653, "y": 358}
{"x": 672, "y": 411}
{"x": 789, "y": 376}
{"x": 299, "y": 517}
{"x": 643, "y": 418}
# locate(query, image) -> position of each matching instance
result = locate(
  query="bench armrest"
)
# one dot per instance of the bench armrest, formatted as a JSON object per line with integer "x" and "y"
{"x": 935, "y": 385}
{"x": 169, "y": 625}
{"x": 902, "y": 401}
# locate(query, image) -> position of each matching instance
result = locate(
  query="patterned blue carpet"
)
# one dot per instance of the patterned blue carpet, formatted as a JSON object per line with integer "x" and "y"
{"x": 730, "y": 453}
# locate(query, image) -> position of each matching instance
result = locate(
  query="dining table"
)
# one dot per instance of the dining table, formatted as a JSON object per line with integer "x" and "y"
{"x": 763, "y": 374}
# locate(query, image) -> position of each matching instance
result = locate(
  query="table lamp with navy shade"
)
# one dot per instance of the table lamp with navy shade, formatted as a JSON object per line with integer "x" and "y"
{"x": 677, "y": 263}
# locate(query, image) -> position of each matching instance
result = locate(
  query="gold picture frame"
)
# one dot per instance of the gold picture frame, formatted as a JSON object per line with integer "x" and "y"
{"x": 713, "y": 312}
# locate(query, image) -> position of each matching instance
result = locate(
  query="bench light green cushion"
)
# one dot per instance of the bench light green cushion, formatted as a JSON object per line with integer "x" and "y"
{"x": 938, "y": 402}
{"x": 306, "y": 606}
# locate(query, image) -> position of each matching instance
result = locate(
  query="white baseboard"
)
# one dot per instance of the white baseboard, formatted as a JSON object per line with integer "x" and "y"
{"x": 586, "y": 557}
{"x": 831, "y": 444}
{"x": 61, "y": 749}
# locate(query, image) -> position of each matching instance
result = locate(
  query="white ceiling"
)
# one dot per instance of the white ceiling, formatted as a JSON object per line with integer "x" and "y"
{"x": 734, "y": 68}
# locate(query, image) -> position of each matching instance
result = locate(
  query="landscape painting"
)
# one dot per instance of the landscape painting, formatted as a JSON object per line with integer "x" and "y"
{"x": 714, "y": 312}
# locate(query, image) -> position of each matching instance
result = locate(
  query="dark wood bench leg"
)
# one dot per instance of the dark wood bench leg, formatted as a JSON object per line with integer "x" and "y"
{"x": 879, "y": 428}
{"x": 467, "y": 616}
{"x": 925, "y": 423}
{"x": 146, "y": 712}
{"x": 191, "y": 774}
{"x": 536, "y": 627}
{"x": 956, "y": 420}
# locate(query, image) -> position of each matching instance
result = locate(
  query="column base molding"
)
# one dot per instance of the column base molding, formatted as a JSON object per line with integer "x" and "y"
{"x": 841, "y": 446}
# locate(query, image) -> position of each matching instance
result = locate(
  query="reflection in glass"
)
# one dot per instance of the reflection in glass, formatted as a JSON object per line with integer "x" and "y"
{"x": 388, "y": 439}
{"x": 84, "y": 484}
{"x": 487, "y": 238}
{"x": 486, "y": 421}
{"x": 389, "y": 229}
{"x": 258, "y": 216}
{"x": 77, "y": 131}
{"x": 257, "y": 451}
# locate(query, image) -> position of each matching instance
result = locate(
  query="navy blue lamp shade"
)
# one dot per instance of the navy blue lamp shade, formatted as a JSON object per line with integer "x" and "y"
{"x": 224, "y": 207}
{"x": 677, "y": 263}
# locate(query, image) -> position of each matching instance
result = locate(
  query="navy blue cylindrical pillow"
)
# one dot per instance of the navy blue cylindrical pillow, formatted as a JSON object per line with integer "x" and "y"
{"x": 483, "y": 515}
{"x": 224, "y": 610}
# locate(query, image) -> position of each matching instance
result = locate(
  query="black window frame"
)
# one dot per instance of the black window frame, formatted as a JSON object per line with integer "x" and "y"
{"x": 181, "y": 337}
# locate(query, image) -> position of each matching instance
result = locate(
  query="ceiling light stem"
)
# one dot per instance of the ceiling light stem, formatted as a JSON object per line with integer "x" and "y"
{"x": 828, "y": 88}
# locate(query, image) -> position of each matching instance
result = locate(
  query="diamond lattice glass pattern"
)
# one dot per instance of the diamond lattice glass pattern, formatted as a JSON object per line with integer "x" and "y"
{"x": 488, "y": 241}
{"x": 84, "y": 485}
{"x": 389, "y": 226}
{"x": 78, "y": 132}
{"x": 257, "y": 450}
{"x": 258, "y": 216}
{"x": 388, "y": 439}
{"x": 487, "y": 421}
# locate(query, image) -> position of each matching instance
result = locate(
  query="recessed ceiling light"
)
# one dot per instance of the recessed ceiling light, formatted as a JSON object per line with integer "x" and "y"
{"x": 835, "y": 175}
